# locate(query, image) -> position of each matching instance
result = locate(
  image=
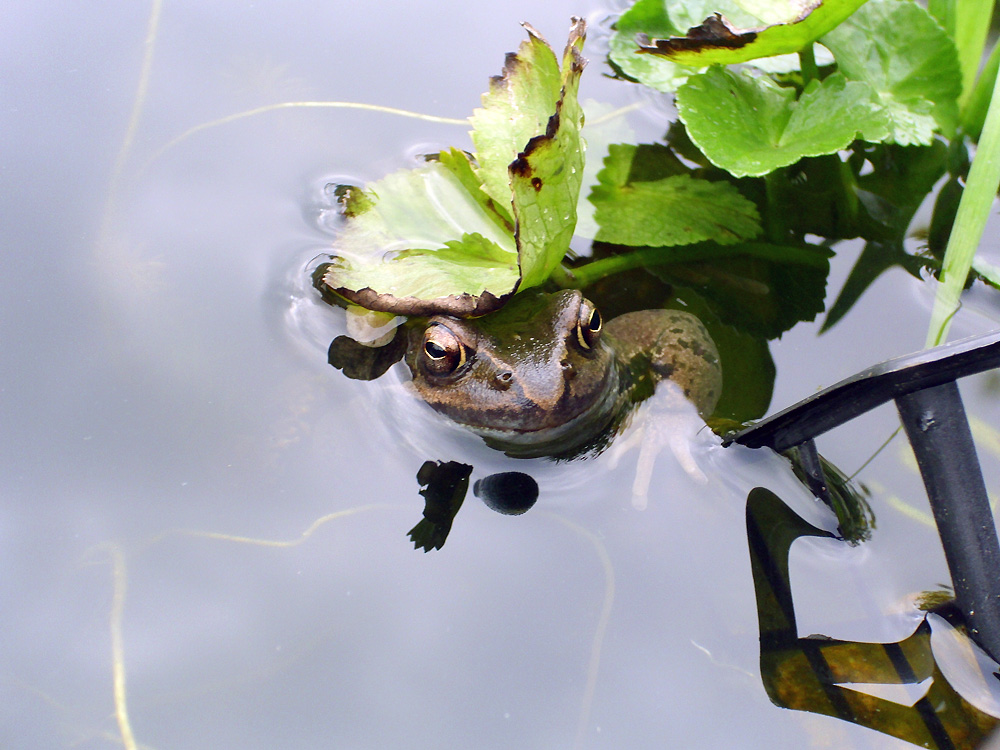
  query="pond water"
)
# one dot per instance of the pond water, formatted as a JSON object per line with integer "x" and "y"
{"x": 203, "y": 530}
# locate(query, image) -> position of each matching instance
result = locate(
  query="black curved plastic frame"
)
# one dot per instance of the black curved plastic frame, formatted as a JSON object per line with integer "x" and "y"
{"x": 930, "y": 408}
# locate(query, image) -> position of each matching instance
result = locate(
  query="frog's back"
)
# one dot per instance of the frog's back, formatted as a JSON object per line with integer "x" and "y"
{"x": 674, "y": 345}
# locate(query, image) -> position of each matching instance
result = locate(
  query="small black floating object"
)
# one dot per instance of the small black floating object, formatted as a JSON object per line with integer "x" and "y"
{"x": 510, "y": 492}
{"x": 443, "y": 487}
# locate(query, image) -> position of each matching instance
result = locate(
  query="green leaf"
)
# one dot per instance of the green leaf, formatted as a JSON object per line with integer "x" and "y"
{"x": 546, "y": 176}
{"x": 438, "y": 239}
{"x": 647, "y": 17}
{"x": 874, "y": 260}
{"x": 687, "y": 14}
{"x": 910, "y": 63}
{"x": 418, "y": 236}
{"x": 788, "y": 27}
{"x": 673, "y": 210}
{"x": 458, "y": 163}
{"x": 750, "y": 125}
{"x": 515, "y": 109}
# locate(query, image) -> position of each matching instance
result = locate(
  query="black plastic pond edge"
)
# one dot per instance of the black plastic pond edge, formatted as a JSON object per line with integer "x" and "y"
{"x": 930, "y": 408}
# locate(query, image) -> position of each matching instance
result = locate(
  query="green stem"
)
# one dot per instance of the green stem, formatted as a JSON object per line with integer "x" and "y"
{"x": 774, "y": 223}
{"x": 978, "y": 102}
{"x": 644, "y": 257}
{"x": 972, "y": 23}
{"x": 807, "y": 64}
{"x": 970, "y": 220}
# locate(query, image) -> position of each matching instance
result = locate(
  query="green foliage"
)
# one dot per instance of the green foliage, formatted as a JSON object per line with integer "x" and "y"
{"x": 750, "y": 125}
{"x": 515, "y": 109}
{"x": 647, "y": 17}
{"x": 635, "y": 209}
{"x": 754, "y": 29}
{"x": 734, "y": 211}
{"x": 459, "y": 236}
{"x": 910, "y": 63}
{"x": 849, "y": 149}
{"x": 545, "y": 179}
{"x": 443, "y": 241}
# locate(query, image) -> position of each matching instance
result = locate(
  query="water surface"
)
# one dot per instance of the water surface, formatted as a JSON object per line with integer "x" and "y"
{"x": 167, "y": 407}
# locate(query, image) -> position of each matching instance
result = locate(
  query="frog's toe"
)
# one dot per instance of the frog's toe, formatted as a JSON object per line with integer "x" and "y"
{"x": 680, "y": 445}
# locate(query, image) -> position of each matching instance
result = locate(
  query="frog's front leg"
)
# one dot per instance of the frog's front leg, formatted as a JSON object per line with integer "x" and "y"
{"x": 666, "y": 420}
{"x": 672, "y": 346}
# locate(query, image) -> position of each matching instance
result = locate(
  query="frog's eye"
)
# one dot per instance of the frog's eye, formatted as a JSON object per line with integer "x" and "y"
{"x": 588, "y": 327}
{"x": 442, "y": 352}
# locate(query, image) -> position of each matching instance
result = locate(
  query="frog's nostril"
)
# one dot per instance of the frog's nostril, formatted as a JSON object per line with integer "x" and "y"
{"x": 503, "y": 380}
{"x": 568, "y": 371}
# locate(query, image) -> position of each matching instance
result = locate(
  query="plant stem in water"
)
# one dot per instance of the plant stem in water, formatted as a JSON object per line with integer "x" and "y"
{"x": 970, "y": 220}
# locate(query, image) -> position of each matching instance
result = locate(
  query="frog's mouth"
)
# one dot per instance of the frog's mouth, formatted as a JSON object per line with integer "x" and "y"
{"x": 580, "y": 435}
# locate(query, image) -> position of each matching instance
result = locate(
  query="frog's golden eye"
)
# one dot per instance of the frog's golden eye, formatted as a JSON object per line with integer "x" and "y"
{"x": 588, "y": 327}
{"x": 442, "y": 352}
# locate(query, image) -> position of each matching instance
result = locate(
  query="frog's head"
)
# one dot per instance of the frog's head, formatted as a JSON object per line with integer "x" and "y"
{"x": 532, "y": 379}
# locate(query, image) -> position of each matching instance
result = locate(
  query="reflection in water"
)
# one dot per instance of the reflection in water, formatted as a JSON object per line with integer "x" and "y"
{"x": 443, "y": 486}
{"x": 813, "y": 673}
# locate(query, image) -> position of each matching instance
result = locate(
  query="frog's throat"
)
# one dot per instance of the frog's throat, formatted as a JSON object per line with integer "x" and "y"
{"x": 573, "y": 437}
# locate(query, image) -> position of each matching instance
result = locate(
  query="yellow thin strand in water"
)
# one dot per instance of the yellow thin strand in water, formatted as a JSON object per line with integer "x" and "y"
{"x": 616, "y": 113}
{"x": 275, "y": 542}
{"x": 874, "y": 455}
{"x": 117, "y": 646}
{"x": 291, "y": 105}
{"x": 152, "y": 30}
{"x": 602, "y": 623}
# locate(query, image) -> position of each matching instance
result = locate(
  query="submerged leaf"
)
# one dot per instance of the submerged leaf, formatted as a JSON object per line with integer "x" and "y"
{"x": 874, "y": 260}
{"x": 784, "y": 29}
{"x": 750, "y": 125}
{"x": 671, "y": 210}
{"x": 911, "y": 64}
{"x": 760, "y": 288}
{"x": 746, "y": 360}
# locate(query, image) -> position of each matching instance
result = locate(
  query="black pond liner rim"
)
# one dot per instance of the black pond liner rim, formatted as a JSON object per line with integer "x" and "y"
{"x": 933, "y": 416}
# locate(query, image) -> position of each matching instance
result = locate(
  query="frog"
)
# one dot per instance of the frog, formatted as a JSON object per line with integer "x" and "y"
{"x": 547, "y": 376}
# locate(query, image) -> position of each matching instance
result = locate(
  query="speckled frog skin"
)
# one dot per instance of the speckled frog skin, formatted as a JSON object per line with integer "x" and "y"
{"x": 545, "y": 375}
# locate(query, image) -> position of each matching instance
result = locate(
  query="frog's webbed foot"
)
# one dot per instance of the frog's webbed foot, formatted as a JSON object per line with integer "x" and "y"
{"x": 667, "y": 420}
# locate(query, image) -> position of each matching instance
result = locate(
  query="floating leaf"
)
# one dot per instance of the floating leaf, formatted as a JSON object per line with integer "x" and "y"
{"x": 750, "y": 125}
{"x": 910, "y": 63}
{"x": 458, "y": 236}
{"x": 546, "y": 176}
{"x": 418, "y": 242}
{"x": 672, "y": 210}
{"x": 788, "y": 27}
